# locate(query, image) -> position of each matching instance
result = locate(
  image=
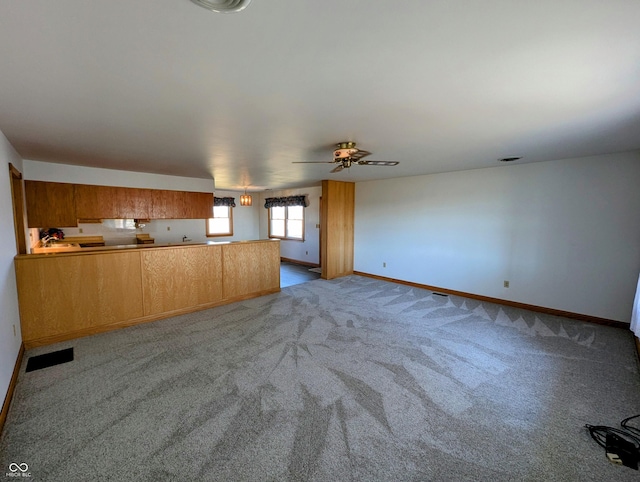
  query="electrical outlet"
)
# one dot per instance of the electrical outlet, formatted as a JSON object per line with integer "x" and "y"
{"x": 307, "y": 253}
{"x": 506, "y": 283}
{"x": 168, "y": 228}
{"x": 80, "y": 230}
{"x": 384, "y": 265}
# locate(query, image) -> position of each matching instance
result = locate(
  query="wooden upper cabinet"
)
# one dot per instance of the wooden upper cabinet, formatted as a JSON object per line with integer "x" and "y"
{"x": 50, "y": 204}
{"x": 160, "y": 205}
{"x": 178, "y": 204}
{"x": 200, "y": 205}
{"x": 133, "y": 203}
{"x": 96, "y": 202}
{"x": 106, "y": 202}
{"x": 181, "y": 205}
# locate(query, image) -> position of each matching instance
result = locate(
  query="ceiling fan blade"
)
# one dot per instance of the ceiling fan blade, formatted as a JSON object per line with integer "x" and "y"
{"x": 359, "y": 155}
{"x": 378, "y": 163}
{"x": 337, "y": 168}
{"x": 312, "y": 162}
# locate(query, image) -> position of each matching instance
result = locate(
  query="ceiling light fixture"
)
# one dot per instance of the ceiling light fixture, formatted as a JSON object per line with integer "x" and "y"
{"x": 223, "y": 6}
{"x": 245, "y": 199}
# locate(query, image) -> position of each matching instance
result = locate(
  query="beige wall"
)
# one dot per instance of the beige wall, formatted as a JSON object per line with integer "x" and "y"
{"x": 565, "y": 233}
{"x": 9, "y": 318}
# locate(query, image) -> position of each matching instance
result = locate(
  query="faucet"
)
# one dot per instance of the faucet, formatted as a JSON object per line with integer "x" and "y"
{"x": 185, "y": 239}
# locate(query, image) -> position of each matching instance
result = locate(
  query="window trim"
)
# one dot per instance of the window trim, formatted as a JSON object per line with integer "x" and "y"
{"x": 218, "y": 235}
{"x": 286, "y": 218}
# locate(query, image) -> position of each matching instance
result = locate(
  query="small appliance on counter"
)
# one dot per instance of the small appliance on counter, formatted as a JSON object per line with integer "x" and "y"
{"x": 144, "y": 238}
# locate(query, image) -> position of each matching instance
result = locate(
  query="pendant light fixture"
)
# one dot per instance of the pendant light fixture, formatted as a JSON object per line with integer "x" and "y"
{"x": 245, "y": 199}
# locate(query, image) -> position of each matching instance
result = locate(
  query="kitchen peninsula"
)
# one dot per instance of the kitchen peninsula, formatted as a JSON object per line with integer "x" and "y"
{"x": 91, "y": 290}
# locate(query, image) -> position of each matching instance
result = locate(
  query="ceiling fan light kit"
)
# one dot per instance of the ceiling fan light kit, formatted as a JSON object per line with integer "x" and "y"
{"x": 223, "y": 6}
{"x": 345, "y": 150}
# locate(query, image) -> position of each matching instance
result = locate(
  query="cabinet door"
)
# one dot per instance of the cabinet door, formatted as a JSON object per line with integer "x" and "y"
{"x": 171, "y": 205}
{"x": 50, "y": 204}
{"x": 192, "y": 205}
{"x": 105, "y": 202}
{"x": 178, "y": 204}
{"x": 96, "y": 202}
{"x": 160, "y": 204}
{"x": 133, "y": 203}
{"x": 200, "y": 205}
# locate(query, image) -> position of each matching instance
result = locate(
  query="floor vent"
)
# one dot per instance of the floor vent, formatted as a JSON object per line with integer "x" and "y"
{"x": 440, "y": 294}
{"x": 49, "y": 359}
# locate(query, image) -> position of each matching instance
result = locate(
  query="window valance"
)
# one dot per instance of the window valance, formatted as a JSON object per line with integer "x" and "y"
{"x": 286, "y": 201}
{"x": 224, "y": 201}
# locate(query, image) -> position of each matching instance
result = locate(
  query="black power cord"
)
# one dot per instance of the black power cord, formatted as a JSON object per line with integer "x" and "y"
{"x": 622, "y": 445}
{"x": 629, "y": 428}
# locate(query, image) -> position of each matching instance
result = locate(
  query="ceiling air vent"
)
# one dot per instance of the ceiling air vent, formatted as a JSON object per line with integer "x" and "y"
{"x": 509, "y": 159}
{"x": 223, "y": 6}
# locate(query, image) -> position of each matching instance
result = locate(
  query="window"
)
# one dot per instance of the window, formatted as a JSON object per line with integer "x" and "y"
{"x": 286, "y": 222}
{"x": 221, "y": 224}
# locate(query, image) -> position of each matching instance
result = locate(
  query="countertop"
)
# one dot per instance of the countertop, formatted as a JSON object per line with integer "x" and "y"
{"x": 123, "y": 247}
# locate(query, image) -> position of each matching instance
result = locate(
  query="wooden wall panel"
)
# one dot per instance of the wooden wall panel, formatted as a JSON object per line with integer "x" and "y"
{"x": 338, "y": 212}
{"x": 250, "y": 268}
{"x": 181, "y": 277}
{"x": 61, "y": 294}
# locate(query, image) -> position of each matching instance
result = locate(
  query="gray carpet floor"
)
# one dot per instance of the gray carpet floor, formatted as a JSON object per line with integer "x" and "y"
{"x": 353, "y": 379}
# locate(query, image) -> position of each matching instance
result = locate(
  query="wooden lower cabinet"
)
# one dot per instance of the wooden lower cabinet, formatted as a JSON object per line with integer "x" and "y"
{"x": 66, "y": 296}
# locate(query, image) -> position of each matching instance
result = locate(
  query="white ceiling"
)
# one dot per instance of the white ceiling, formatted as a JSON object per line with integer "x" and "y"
{"x": 165, "y": 86}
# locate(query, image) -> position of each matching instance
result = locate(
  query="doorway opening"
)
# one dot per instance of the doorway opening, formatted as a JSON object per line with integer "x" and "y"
{"x": 17, "y": 196}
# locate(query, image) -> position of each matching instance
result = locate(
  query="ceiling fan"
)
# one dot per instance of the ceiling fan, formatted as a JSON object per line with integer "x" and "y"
{"x": 347, "y": 154}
